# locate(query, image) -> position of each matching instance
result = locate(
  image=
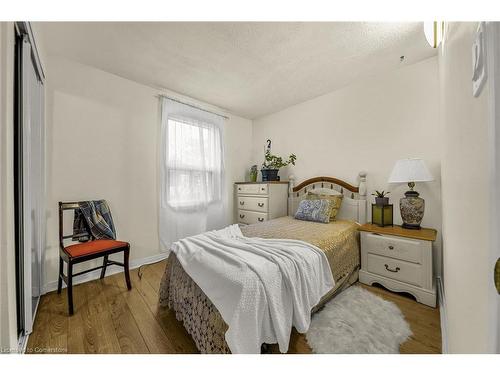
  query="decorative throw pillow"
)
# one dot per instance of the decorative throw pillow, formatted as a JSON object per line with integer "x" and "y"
{"x": 314, "y": 210}
{"x": 335, "y": 202}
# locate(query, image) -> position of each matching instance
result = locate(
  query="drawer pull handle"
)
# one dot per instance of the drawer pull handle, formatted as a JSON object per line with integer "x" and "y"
{"x": 388, "y": 269}
{"x": 242, "y": 203}
{"x": 260, "y": 204}
{"x": 239, "y": 188}
{"x": 261, "y": 219}
{"x": 242, "y": 216}
{"x": 391, "y": 247}
{"x": 262, "y": 189}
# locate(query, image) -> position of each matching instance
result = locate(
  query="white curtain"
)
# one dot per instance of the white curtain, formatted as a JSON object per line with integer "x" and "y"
{"x": 192, "y": 189}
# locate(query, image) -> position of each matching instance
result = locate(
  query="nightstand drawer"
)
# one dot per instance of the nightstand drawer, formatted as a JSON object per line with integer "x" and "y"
{"x": 259, "y": 204}
{"x": 395, "y": 269}
{"x": 394, "y": 247}
{"x": 253, "y": 189}
{"x": 251, "y": 217}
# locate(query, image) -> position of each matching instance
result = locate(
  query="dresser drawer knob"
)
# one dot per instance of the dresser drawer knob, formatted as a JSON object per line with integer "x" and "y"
{"x": 239, "y": 188}
{"x": 261, "y": 219}
{"x": 242, "y": 216}
{"x": 262, "y": 189}
{"x": 260, "y": 204}
{"x": 242, "y": 203}
{"x": 391, "y": 247}
{"x": 394, "y": 270}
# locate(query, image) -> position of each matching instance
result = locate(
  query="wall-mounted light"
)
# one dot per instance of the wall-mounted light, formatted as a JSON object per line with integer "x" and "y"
{"x": 434, "y": 33}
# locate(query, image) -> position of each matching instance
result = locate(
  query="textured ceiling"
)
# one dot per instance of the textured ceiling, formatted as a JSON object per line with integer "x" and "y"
{"x": 248, "y": 68}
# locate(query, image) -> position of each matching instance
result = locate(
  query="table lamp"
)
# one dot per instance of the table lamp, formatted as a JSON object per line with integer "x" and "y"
{"x": 412, "y": 206}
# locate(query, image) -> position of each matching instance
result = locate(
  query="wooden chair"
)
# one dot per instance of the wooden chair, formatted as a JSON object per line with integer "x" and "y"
{"x": 82, "y": 252}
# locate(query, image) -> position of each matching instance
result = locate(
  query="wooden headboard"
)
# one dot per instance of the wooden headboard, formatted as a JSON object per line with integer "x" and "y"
{"x": 354, "y": 201}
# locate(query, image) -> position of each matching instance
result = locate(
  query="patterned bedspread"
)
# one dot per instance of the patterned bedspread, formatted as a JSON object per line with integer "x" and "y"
{"x": 339, "y": 240}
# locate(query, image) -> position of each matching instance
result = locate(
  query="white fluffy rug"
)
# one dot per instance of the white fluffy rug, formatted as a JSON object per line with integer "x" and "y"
{"x": 357, "y": 321}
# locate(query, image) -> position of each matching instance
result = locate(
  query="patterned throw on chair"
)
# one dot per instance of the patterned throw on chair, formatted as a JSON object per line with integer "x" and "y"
{"x": 95, "y": 218}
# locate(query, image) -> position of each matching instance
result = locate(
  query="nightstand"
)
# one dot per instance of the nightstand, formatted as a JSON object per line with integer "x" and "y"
{"x": 399, "y": 259}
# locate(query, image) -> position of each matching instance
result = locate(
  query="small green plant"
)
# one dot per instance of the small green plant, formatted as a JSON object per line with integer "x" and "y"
{"x": 276, "y": 162}
{"x": 380, "y": 194}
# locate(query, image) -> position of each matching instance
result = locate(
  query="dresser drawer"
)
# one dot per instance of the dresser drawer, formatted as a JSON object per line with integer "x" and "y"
{"x": 259, "y": 204}
{"x": 395, "y": 269}
{"x": 253, "y": 189}
{"x": 251, "y": 217}
{"x": 394, "y": 247}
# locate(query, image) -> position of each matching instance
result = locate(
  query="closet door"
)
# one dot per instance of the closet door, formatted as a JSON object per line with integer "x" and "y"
{"x": 32, "y": 187}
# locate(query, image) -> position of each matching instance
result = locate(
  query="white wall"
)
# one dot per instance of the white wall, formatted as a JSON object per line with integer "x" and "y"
{"x": 103, "y": 138}
{"x": 366, "y": 126}
{"x": 466, "y": 197}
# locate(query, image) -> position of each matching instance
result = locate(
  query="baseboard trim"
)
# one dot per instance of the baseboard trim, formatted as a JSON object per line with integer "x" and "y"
{"x": 135, "y": 263}
{"x": 442, "y": 315}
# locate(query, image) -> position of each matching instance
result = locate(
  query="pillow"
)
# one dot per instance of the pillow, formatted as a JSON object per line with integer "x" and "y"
{"x": 335, "y": 201}
{"x": 314, "y": 210}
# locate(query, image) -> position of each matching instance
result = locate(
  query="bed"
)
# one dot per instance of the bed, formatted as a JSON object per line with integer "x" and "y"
{"x": 339, "y": 240}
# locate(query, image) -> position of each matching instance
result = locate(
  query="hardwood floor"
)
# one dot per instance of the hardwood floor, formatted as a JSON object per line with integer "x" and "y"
{"x": 110, "y": 319}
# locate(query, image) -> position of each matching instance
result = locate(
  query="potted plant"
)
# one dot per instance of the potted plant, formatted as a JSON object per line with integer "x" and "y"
{"x": 272, "y": 165}
{"x": 381, "y": 198}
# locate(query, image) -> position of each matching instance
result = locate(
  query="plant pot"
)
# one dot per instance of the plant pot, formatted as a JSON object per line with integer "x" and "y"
{"x": 382, "y": 201}
{"x": 270, "y": 174}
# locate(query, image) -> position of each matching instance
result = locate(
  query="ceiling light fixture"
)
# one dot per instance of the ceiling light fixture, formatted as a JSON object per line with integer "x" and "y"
{"x": 434, "y": 33}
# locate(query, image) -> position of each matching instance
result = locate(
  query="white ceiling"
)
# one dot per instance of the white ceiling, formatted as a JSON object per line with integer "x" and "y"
{"x": 248, "y": 68}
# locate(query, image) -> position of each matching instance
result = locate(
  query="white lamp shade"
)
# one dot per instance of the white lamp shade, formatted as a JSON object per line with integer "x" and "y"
{"x": 410, "y": 170}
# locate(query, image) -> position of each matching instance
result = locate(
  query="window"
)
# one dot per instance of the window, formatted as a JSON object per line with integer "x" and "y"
{"x": 194, "y": 163}
{"x": 192, "y": 188}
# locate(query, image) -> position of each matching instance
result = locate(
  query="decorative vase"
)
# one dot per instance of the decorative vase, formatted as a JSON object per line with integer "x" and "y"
{"x": 270, "y": 174}
{"x": 412, "y": 210}
{"x": 253, "y": 176}
{"x": 382, "y": 201}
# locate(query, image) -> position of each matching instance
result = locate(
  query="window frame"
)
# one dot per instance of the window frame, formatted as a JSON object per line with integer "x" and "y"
{"x": 215, "y": 195}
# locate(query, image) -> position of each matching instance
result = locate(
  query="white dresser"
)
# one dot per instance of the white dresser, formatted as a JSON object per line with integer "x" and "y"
{"x": 399, "y": 259}
{"x": 260, "y": 201}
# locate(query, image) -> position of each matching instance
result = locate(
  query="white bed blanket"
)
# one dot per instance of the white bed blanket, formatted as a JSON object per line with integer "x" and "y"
{"x": 261, "y": 287}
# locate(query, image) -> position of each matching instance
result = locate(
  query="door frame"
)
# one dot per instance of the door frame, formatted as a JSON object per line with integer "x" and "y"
{"x": 492, "y": 44}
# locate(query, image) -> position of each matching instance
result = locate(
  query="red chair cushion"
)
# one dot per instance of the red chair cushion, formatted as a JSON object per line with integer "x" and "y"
{"x": 92, "y": 247}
